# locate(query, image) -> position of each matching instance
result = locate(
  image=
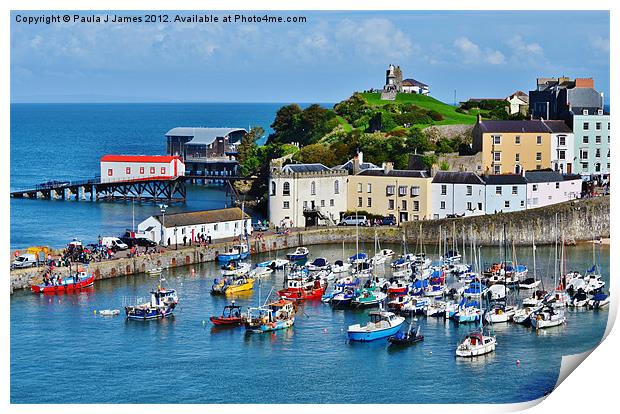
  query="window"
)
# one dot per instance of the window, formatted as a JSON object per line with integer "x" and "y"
{"x": 597, "y": 167}
{"x": 359, "y": 187}
{"x": 586, "y": 126}
{"x": 498, "y": 190}
{"x": 127, "y": 170}
{"x": 312, "y": 188}
{"x": 538, "y": 167}
{"x": 152, "y": 170}
{"x": 517, "y": 139}
{"x": 539, "y": 156}
{"x": 273, "y": 188}
{"x": 416, "y": 205}
{"x": 141, "y": 170}
{"x": 583, "y": 154}
{"x": 507, "y": 204}
{"x": 163, "y": 170}
{"x": 305, "y": 205}
{"x": 369, "y": 188}
{"x": 497, "y": 169}
{"x": 557, "y": 186}
{"x": 286, "y": 188}
{"x": 522, "y": 203}
{"x": 597, "y": 139}
{"x": 517, "y": 157}
{"x": 535, "y": 187}
{"x": 469, "y": 190}
{"x": 597, "y": 154}
{"x": 443, "y": 205}
{"x": 331, "y": 202}
{"x": 515, "y": 190}
{"x": 322, "y": 203}
{"x": 390, "y": 189}
{"x": 538, "y": 140}
{"x": 562, "y": 154}
{"x": 535, "y": 201}
{"x": 586, "y": 139}
{"x": 497, "y": 156}
{"x": 598, "y": 126}
{"x": 469, "y": 206}
{"x": 390, "y": 204}
{"x": 584, "y": 166}
{"x": 415, "y": 191}
{"x": 336, "y": 187}
{"x": 444, "y": 189}
{"x": 286, "y": 205}
{"x": 497, "y": 139}
{"x": 360, "y": 202}
{"x": 562, "y": 140}
{"x": 110, "y": 172}
{"x": 215, "y": 227}
{"x": 416, "y": 217}
{"x": 402, "y": 190}
{"x": 369, "y": 202}
{"x": 480, "y": 206}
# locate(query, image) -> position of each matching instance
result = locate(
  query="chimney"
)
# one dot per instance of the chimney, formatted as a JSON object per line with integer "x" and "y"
{"x": 387, "y": 167}
{"x": 356, "y": 163}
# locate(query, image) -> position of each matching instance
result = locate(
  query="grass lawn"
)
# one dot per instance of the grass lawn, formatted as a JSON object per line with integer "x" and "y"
{"x": 448, "y": 111}
{"x": 345, "y": 125}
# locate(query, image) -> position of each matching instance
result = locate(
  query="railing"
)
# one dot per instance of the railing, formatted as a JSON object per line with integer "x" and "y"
{"x": 59, "y": 184}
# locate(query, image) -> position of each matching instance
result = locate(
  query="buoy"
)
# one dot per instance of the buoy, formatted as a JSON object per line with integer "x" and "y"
{"x": 324, "y": 330}
{"x": 518, "y": 363}
{"x": 431, "y": 352}
{"x": 94, "y": 311}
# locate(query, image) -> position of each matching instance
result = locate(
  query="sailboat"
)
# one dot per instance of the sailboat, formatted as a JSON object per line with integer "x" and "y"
{"x": 381, "y": 255}
{"x": 501, "y": 311}
{"x": 531, "y": 282}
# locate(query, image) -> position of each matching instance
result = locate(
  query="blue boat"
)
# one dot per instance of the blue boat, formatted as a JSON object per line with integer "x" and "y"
{"x": 382, "y": 324}
{"x": 300, "y": 253}
{"x": 358, "y": 258}
{"x": 162, "y": 304}
{"x": 237, "y": 252}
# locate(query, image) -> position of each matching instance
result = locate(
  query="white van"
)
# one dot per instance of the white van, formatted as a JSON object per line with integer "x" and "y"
{"x": 24, "y": 260}
{"x": 353, "y": 220}
{"x": 114, "y": 243}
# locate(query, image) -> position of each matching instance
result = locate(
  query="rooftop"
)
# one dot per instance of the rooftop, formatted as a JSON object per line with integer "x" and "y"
{"x": 558, "y": 127}
{"x": 202, "y": 217}
{"x": 305, "y": 168}
{"x": 138, "y": 158}
{"x": 413, "y": 82}
{"x": 394, "y": 173}
{"x": 505, "y": 179}
{"x": 202, "y": 135}
{"x": 543, "y": 176}
{"x": 524, "y": 126}
{"x": 457, "y": 177}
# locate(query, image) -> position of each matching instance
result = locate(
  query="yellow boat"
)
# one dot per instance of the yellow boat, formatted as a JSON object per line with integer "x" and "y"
{"x": 232, "y": 286}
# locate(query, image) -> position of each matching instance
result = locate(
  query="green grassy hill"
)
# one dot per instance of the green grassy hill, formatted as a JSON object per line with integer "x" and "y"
{"x": 451, "y": 116}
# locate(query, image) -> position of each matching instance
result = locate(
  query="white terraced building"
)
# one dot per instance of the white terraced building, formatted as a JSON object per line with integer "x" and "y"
{"x": 303, "y": 195}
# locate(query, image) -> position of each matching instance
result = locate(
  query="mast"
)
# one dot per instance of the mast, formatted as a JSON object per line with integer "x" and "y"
{"x": 534, "y": 255}
{"x": 555, "y": 260}
{"x": 505, "y": 267}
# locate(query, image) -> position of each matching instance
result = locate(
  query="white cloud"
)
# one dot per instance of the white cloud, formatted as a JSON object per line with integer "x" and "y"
{"x": 600, "y": 43}
{"x": 524, "y": 49}
{"x": 473, "y": 53}
{"x": 376, "y": 38}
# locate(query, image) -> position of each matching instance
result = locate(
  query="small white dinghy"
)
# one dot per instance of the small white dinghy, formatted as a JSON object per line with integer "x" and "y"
{"x": 109, "y": 312}
{"x": 155, "y": 271}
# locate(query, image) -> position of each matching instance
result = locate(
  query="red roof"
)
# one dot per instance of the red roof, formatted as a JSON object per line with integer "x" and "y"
{"x": 139, "y": 158}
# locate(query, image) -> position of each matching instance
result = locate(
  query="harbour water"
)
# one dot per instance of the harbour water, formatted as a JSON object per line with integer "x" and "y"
{"x": 61, "y": 352}
{"x": 65, "y": 142}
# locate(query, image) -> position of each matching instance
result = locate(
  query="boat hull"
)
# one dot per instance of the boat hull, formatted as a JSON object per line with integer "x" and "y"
{"x": 367, "y": 336}
{"x": 224, "y": 321}
{"x": 69, "y": 287}
{"x": 148, "y": 314}
{"x": 271, "y": 326}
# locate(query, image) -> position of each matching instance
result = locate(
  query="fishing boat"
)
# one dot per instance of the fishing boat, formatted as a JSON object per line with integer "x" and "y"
{"x": 275, "y": 264}
{"x": 368, "y": 298}
{"x": 382, "y": 324}
{"x": 598, "y": 301}
{"x": 320, "y": 263}
{"x": 302, "y": 289}
{"x": 300, "y": 253}
{"x": 231, "y": 285}
{"x": 476, "y": 344}
{"x": 78, "y": 281}
{"x": 231, "y": 316}
{"x": 406, "y": 338}
{"x": 237, "y": 252}
{"x": 162, "y": 304}
{"x": 234, "y": 268}
{"x": 271, "y": 317}
{"x": 547, "y": 317}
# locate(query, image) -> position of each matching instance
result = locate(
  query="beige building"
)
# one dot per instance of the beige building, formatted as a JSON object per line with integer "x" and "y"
{"x": 404, "y": 194}
{"x": 510, "y": 147}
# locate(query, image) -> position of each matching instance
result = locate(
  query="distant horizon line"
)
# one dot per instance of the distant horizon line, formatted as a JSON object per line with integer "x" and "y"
{"x": 168, "y": 102}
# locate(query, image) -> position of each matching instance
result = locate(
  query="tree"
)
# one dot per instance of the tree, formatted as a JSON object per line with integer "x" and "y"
{"x": 316, "y": 153}
{"x": 284, "y": 124}
{"x": 353, "y": 108}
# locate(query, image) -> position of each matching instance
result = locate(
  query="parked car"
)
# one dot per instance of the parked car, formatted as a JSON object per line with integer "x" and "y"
{"x": 138, "y": 241}
{"x": 388, "y": 221}
{"x": 24, "y": 260}
{"x": 114, "y": 243}
{"x": 258, "y": 226}
{"x": 353, "y": 220}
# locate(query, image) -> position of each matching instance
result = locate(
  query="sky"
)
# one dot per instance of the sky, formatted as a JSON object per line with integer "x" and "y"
{"x": 481, "y": 54}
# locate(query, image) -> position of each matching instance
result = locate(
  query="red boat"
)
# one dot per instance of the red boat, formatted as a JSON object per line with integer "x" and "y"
{"x": 69, "y": 284}
{"x": 302, "y": 289}
{"x": 231, "y": 316}
{"x": 398, "y": 288}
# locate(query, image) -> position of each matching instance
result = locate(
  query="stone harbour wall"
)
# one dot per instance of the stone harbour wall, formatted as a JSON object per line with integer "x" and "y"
{"x": 580, "y": 220}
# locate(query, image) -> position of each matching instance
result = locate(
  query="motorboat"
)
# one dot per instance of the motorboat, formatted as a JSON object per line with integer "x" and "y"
{"x": 368, "y": 298}
{"x": 237, "y": 252}
{"x": 343, "y": 298}
{"x": 320, "y": 263}
{"x": 234, "y": 268}
{"x": 162, "y": 304}
{"x": 406, "y": 338}
{"x": 598, "y": 301}
{"x": 476, "y": 344}
{"x": 231, "y": 285}
{"x": 382, "y": 324}
{"x": 276, "y": 264}
{"x": 271, "y": 317}
{"x": 300, "y": 253}
{"x": 109, "y": 312}
{"x": 69, "y": 284}
{"x": 302, "y": 289}
{"x": 547, "y": 317}
{"x": 231, "y": 316}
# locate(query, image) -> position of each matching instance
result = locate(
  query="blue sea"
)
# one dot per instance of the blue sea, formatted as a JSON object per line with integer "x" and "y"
{"x": 65, "y": 142}
{"x": 62, "y": 352}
